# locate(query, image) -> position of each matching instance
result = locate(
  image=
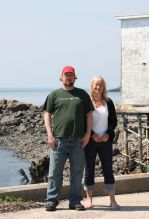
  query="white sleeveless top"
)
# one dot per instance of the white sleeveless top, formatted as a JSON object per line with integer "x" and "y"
{"x": 100, "y": 120}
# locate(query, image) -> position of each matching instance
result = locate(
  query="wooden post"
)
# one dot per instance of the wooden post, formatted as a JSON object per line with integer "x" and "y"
{"x": 125, "y": 124}
{"x": 140, "y": 138}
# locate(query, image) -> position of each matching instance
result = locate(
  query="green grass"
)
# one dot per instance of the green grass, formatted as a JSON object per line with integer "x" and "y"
{"x": 11, "y": 198}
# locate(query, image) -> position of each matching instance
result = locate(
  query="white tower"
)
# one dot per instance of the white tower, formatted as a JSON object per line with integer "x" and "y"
{"x": 135, "y": 59}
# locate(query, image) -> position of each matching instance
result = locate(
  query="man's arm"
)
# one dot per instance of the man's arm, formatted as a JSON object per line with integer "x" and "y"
{"x": 89, "y": 123}
{"x": 48, "y": 125}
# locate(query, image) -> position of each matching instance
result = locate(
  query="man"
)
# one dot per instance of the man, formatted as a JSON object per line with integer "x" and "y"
{"x": 68, "y": 121}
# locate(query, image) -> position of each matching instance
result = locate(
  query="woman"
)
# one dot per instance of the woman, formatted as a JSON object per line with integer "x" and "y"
{"x": 104, "y": 123}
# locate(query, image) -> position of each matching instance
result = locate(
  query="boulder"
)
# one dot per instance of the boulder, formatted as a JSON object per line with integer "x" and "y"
{"x": 10, "y": 120}
{"x": 17, "y": 106}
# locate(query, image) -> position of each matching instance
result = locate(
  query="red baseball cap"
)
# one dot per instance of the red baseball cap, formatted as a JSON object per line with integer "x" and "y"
{"x": 68, "y": 69}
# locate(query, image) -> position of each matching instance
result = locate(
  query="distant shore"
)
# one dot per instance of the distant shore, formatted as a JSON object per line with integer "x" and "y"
{"x": 118, "y": 89}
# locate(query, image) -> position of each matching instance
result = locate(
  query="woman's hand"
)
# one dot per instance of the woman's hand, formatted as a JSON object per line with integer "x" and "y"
{"x": 96, "y": 137}
{"x": 105, "y": 137}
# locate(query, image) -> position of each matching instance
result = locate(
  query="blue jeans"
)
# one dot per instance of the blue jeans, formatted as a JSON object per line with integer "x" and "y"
{"x": 66, "y": 148}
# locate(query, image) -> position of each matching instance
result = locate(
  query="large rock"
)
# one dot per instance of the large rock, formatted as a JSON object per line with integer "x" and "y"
{"x": 10, "y": 120}
{"x": 3, "y": 104}
{"x": 33, "y": 108}
{"x": 18, "y": 106}
{"x": 3, "y": 101}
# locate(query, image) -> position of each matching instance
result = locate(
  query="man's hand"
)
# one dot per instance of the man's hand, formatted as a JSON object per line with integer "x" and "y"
{"x": 48, "y": 125}
{"x": 51, "y": 141}
{"x": 85, "y": 140}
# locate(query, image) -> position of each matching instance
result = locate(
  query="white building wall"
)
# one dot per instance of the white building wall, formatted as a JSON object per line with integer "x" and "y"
{"x": 135, "y": 61}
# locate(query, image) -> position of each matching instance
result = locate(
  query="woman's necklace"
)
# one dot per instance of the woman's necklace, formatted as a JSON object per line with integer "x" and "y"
{"x": 97, "y": 102}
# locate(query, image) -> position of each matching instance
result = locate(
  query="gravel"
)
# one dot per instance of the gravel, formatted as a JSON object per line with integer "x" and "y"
{"x": 14, "y": 206}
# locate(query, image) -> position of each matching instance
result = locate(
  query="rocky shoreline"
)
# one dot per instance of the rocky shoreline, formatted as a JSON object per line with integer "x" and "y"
{"x": 22, "y": 130}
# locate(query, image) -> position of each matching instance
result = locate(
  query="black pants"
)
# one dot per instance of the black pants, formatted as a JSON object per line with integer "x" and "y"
{"x": 104, "y": 150}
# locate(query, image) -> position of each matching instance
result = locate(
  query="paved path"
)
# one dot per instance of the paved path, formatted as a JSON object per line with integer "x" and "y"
{"x": 133, "y": 206}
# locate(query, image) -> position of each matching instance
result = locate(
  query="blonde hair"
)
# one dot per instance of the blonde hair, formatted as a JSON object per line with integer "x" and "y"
{"x": 104, "y": 93}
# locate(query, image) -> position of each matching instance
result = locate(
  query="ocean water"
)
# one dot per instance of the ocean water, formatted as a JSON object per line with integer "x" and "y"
{"x": 38, "y": 96}
{"x": 30, "y": 96}
{"x": 9, "y": 168}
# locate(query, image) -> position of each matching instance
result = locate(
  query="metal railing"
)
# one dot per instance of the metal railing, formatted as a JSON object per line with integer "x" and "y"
{"x": 139, "y": 130}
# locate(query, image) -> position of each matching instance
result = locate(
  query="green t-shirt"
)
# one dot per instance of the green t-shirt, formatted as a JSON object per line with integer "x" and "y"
{"x": 68, "y": 109}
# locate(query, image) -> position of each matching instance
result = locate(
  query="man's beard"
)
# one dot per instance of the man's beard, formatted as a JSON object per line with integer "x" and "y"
{"x": 69, "y": 84}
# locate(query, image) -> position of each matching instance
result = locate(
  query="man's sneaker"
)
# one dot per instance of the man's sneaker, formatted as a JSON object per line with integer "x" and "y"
{"x": 50, "y": 206}
{"x": 78, "y": 207}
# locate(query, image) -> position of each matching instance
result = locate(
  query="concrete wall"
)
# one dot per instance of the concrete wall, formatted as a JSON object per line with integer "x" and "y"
{"x": 135, "y": 61}
{"x": 124, "y": 184}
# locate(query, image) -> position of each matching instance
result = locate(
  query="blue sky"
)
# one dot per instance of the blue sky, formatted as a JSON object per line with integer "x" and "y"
{"x": 39, "y": 37}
